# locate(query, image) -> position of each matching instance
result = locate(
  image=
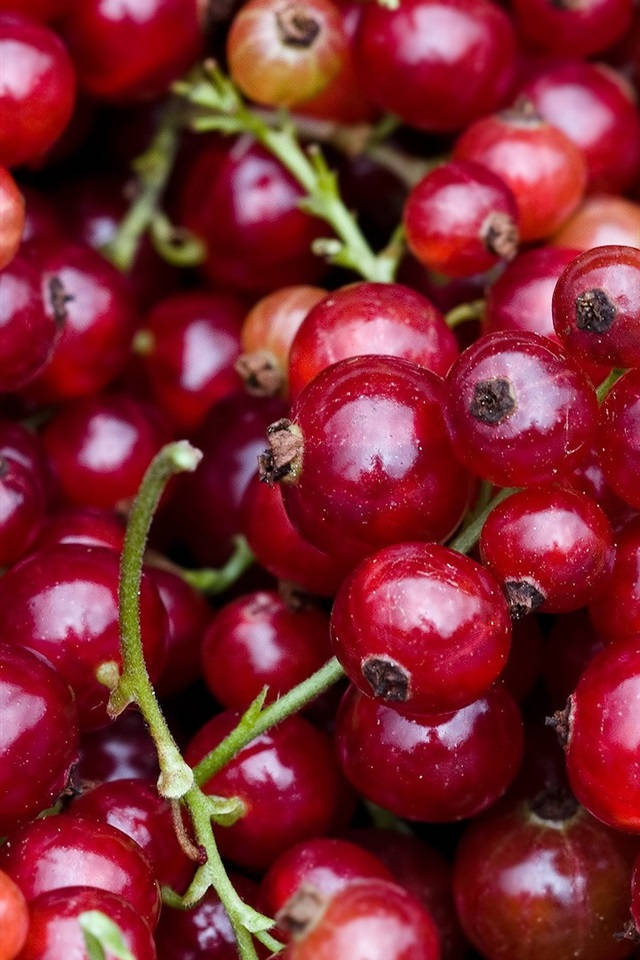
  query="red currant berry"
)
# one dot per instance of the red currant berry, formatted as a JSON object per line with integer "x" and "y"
{"x": 615, "y": 612}
{"x": 166, "y": 36}
{"x": 461, "y": 219}
{"x": 589, "y": 478}
{"x": 438, "y": 768}
{"x": 135, "y": 808}
{"x": 188, "y": 614}
{"x": 35, "y": 757}
{"x": 12, "y": 218}
{"x": 63, "y": 603}
{"x": 545, "y": 170}
{"x": 87, "y": 526}
{"x": 14, "y": 918}
{"x": 38, "y": 9}
{"x": 267, "y": 335}
{"x": 570, "y": 645}
{"x": 601, "y": 221}
{"x": 38, "y": 89}
{"x": 257, "y": 641}
{"x": 283, "y": 52}
{"x": 50, "y": 853}
{"x": 54, "y": 931}
{"x": 519, "y": 411}
{"x": 620, "y": 437}
{"x": 548, "y": 548}
{"x": 123, "y": 750}
{"x": 564, "y": 29}
{"x": 421, "y": 627}
{"x": 42, "y": 222}
{"x": 365, "y": 459}
{"x": 436, "y": 64}
{"x": 542, "y": 878}
{"x": 27, "y": 332}
{"x": 386, "y": 319}
{"x": 22, "y": 507}
{"x": 525, "y": 659}
{"x": 287, "y": 779}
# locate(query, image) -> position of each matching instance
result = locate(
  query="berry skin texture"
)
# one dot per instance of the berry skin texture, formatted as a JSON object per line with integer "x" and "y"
{"x": 461, "y": 220}
{"x": 436, "y": 64}
{"x": 288, "y": 780}
{"x": 550, "y": 549}
{"x": 620, "y": 437}
{"x": 22, "y": 507}
{"x": 615, "y": 612}
{"x": 54, "y": 931}
{"x": 166, "y": 36}
{"x": 602, "y": 220}
{"x": 35, "y": 759}
{"x": 38, "y": 89}
{"x": 519, "y": 411}
{"x": 122, "y": 750}
{"x": 384, "y": 319}
{"x": 596, "y": 306}
{"x": 421, "y": 627}
{"x": 602, "y": 745}
{"x": 369, "y": 920}
{"x": 438, "y": 768}
{"x": 573, "y": 30}
{"x": 27, "y": 332}
{"x": 257, "y": 641}
{"x": 283, "y": 52}
{"x": 46, "y": 854}
{"x": 543, "y": 167}
{"x": 188, "y": 615}
{"x": 376, "y": 466}
{"x": 555, "y": 884}
{"x": 87, "y": 526}
{"x": 14, "y": 918}
{"x": 12, "y": 218}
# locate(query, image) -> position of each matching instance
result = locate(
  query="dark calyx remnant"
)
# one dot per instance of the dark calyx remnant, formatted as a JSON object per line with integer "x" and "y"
{"x": 523, "y": 598}
{"x": 500, "y": 235}
{"x": 302, "y": 911}
{"x": 554, "y": 803}
{"x": 282, "y": 460}
{"x": 58, "y": 298}
{"x": 493, "y": 400}
{"x": 296, "y": 27}
{"x": 387, "y": 679}
{"x": 261, "y": 373}
{"x": 561, "y": 723}
{"x": 594, "y": 311}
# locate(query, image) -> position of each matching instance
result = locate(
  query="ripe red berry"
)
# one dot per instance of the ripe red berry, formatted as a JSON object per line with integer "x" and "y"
{"x": 565, "y": 29}
{"x": 438, "y": 768}
{"x": 519, "y": 411}
{"x": 602, "y": 220}
{"x": 188, "y": 614}
{"x": 38, "y": 9}
{"x": 588, "y": 477}
{"x": 620, "y": 437}
{"x": 120, "y": 751}
{"x": 14, "y": 918}
{"x": 386, "y": 319}
{"x": 22, "y": 507}
{"x": 569, "y": 646}
{"x": 421, "y": 627}
{"x": 615, "y": 612}
{"x": 12, "y": 217}
{"x": 88, "y": 526}
{"x": 27, "y": 331}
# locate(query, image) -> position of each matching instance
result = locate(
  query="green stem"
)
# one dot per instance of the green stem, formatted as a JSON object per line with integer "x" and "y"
{"x": 470, "y": 534}
{"x": 213, "y": 580}
{"x": 474, "y": 310}
{"x": 606, "y": 385}
{"x": 263, "y": 719}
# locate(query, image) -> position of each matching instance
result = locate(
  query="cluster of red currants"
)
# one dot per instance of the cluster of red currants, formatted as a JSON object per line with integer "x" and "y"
{"x": 444, "y": 515}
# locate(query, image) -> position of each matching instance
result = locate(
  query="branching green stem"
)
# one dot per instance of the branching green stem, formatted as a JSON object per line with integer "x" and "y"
{"x": 214, "y": 580}
{"x": 470, "y": 533}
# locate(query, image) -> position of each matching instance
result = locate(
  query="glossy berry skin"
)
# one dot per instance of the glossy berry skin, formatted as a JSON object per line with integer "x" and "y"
{"x": 87, "y": 526}
{"x": 589, "y": 478}
{"x": 87, "y": 298}
{"x": 204, "y": 931}
{"x": 22, "y": 507}
{"x": 386, "y": 319}
{"x": 35, "y": 759}
{"x": 188, "y": 615}
{"x": 54, "y": 930}
{"x": 136, "y": 808}
{"x": 369, "y": 920}
{"x": 267, "y": 334}
{"x": 14, "y": 918}
{"x": 288, "y": 779}
{"x": 570, "y": 645}
{"x": 601, "y": 750}
{"x": 532, "y": 883}
{"x": 166, "y": 35}
{"x": 573, "y": 31}
{"x": 596, "y": 304}
{"x": 99, "y": 448}
{"x": 377, "y": 466}
{"x": 206, "y": 508}
{"x": 461, "y": 220}
{"x": 282, "y": 53}
{"x": 615, "y": 612}
{"x": 519, "y": 411}
{"x": 596, "y": 108}
{"x": 411, "y": 65}
{"x": 257, "y": 641}
{"x": 123, "y": 750}
{"x": 11, "y": 217}
{"x": 620, "y": 437}
{"x": 189, "y": 345}
{"x": 47, "y": 854}
{"x": 550, "y": 549}
{"x": 38, "y": 89}
{"x": 421, "y": 627}
{"x": 27, "y": 333}
{"x": 62, "y": 602}
{"x": 437, "y": 768}
{"x": 44, "y": 10}
{"x": 602, "y": 220}
{"x": 543, "y": 167}
{"x": 279, "y": 548}
{"x": 269, "y": 246}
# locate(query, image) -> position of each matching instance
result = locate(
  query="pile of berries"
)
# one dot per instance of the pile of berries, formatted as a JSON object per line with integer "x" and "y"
{"x": 371, "y": 688}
